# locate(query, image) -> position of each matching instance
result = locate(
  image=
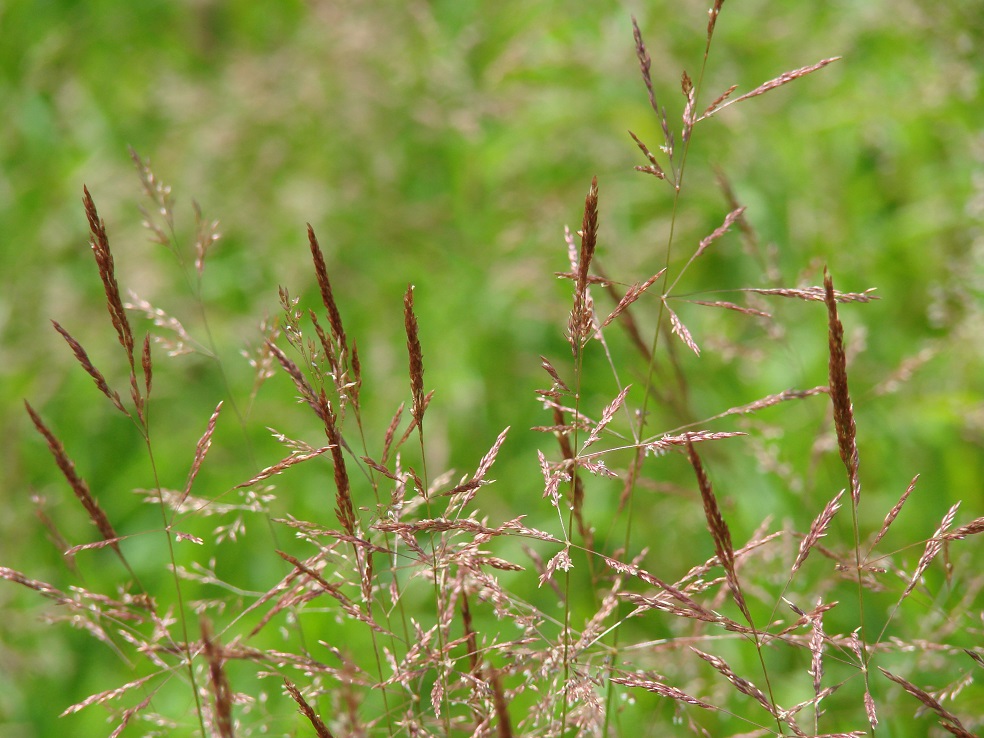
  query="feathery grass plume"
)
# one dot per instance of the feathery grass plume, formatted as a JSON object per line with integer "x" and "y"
{"x": 86, "y": 363}
{"x": 107, "y": 696}
{"x": 221, "y": 692}
{"x": 351, "y": 608}
{"x": 719, "y": 530}
{"x": 817, "y": 530}
{"x": 631, "y": 295}
{"x": 129, "y": 713}
{"x": 970, "y": 529}
{"x": 813, "y": 294}
{"x": 933, "y": 546}
{"x": 606, "y": 417}
{"x": 678, "y": 328}
{"x": 740, "y": 683}
{"x": 893, "y": 513}
{"x": 201, "y": 450}
{"x": 78, "y": 485}
{"x": 663, "y": 690}
{"x": 296, "y": 457}
{"x": 307, "y": 711}
{"x": 948, "y": 720}
{"x": 772, "y": 84}
{"x": 839, "y": 395}
{"x": 416, "y": 358}
{"x": 43, "y": 588}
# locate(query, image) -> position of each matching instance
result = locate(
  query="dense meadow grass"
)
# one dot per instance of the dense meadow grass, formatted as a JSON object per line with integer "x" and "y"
{"x": 681, "y": 497}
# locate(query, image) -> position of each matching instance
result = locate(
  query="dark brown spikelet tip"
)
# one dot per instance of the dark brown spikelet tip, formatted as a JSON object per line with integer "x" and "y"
{"x": 307, "y": 711}
{"x": 416, "y": 357}
{"x": 107, "y": 272}
{"x": 221, "y": 692}
{"x": 78, "y": 485}
{"x": 334, "y": 318}
{"x": 839, "y": 395}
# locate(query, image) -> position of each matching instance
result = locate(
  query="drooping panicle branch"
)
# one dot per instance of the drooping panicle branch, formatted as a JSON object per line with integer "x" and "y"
{"x": 78, "y": 485}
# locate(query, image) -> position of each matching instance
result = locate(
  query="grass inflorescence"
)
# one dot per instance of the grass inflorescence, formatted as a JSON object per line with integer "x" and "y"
{"x": 411, "y": 605}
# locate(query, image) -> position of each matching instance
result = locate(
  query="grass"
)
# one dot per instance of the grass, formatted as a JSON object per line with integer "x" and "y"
{"x": 658, "y": 569}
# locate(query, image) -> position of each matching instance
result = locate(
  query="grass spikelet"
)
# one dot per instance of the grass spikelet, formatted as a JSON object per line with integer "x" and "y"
{"x": 839, "y": 395}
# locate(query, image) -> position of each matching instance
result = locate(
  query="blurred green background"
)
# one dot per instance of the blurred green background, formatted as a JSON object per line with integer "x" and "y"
{"x": 446, "y": 144}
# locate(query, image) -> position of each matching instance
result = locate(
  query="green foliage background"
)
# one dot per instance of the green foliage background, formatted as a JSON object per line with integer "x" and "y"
{"x": 447, "y": 144}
